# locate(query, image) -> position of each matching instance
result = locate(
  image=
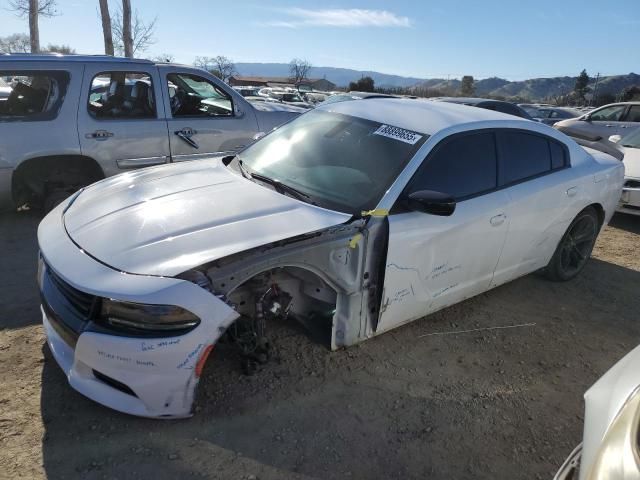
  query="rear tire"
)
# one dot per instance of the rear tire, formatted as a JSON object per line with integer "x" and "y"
{"x": 575, "y": 247}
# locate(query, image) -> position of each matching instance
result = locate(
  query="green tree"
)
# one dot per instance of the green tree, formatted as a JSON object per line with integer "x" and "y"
{"x": 581, "y": 88}
{"x": 365, "y": 84}
{"x": 467, "y": 87}
{"x": 64, "y": 49}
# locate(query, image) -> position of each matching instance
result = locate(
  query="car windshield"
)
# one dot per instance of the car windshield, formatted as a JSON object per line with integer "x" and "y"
{"x": 340, "y": 162}
{"x": 632, "y": 140}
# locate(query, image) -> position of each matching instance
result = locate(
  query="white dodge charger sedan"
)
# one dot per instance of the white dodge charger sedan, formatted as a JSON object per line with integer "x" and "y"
{"x": 352, "y": 219}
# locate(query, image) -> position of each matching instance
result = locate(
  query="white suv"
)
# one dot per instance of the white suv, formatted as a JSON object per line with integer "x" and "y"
{"x": 69, "y": 120}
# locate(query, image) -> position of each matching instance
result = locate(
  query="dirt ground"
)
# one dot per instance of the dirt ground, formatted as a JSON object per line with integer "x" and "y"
{"x": 501, "y": 403}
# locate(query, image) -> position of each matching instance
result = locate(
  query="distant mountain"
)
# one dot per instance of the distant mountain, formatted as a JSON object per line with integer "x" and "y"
{"x": 340, "y": 76}
{"x": 534, "y": 89}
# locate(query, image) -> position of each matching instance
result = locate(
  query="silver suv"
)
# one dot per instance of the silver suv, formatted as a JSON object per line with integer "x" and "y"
{"x": 613, "y": 119}
{"x": 69, "y": 120}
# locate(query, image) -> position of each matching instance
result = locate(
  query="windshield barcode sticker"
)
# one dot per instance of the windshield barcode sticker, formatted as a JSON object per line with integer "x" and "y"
{"x": 396, "y": 133}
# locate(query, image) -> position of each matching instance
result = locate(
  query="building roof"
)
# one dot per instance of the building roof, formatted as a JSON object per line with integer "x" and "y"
{"x": 421, "y": 116}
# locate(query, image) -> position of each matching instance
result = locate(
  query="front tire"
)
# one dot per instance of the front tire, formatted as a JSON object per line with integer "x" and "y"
{"x": 575, "y": 247}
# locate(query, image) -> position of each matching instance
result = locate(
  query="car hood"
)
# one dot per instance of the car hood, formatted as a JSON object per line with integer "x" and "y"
{"x": 168, "y": 219}
{"x": 631, "y": 162}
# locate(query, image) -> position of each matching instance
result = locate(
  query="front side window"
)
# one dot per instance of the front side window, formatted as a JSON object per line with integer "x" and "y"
{"x": 463, "y": 166}
{"x": 340, "y": 162}
{"x": 633, "y": 115}
{"x": 608, "y": 114}
{"x": 121, "y": 95}
{"x": 524, "y": 155}
{"x": 32, "y": 95}
{"x": 194, "y": 96}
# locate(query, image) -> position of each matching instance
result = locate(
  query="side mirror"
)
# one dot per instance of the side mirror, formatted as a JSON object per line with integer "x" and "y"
{"x": 586, "y": 118}
{"x": 615, "y": 138}
{"x": 428, "y": 201}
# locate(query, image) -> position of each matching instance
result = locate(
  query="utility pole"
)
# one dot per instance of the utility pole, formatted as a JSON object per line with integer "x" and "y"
{"x": 594, "y": 97}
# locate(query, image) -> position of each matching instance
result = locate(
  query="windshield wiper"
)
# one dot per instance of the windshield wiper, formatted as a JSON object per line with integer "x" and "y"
{"x": 279, "y": 186}
{"x": 276, "y": 184}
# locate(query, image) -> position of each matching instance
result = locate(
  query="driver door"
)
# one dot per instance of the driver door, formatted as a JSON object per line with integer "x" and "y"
{"x": 204, "y": 116}
{"x": 436, "y": 261}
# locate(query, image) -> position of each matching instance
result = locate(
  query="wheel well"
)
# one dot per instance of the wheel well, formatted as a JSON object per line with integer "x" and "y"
{"x": 295, "y": 290}
{"x": 599, "y": 210}
{"x": 33, "y": 178}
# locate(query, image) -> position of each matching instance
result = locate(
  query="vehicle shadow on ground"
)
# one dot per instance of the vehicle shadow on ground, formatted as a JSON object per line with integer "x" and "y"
{"x": 19, "y": 300}
{"x": 402, "y": 405}
{"x": 629, "y": 223}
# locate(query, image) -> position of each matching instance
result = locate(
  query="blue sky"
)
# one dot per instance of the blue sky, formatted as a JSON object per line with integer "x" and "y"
{"x": 512, "y": 39}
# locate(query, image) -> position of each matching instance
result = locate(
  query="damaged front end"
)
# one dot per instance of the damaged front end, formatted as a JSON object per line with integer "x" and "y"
{"x": 330, "y": 281}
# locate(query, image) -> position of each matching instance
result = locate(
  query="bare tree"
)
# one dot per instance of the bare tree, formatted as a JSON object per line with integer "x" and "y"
{"x": 298, "y": 69}
{"x": 220, "y": 66}
{"x": 106, "y": 27}
{"x": 16, "y": 43}
{"x": 163, "y": 58}
{"x": 32, "y": 9}
{"x": 127, "y": 35}
{"x": 141, "y": 34}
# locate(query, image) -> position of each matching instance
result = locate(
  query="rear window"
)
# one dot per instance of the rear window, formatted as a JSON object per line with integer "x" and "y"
{"x": 524, "y": 155}
{"x": 32, "y": 95}
{"x": 122, "y": 95}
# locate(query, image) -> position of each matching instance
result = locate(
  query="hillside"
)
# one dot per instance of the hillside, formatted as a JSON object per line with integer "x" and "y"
{"x": 534, "y": 89}
{"x": 340, "y": 76}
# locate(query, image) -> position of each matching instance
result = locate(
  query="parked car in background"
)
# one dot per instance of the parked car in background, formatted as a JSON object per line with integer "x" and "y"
{"x": 552, "y": 115}
{"x": 630, "y": 145}
{"x": 290, "y": 98}
{"x": 353, "y": 219}
{"x": 495, "y": 105}
{"x": 610, "y": 447}
{"x": 247, "y": 91}
{"x": 612, "y": 119}
{"x": 72, "y": 119}
{"x": 353, "y": 95}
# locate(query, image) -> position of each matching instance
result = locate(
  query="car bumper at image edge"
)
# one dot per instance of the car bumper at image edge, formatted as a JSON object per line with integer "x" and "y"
{"x": 630, "y": 201}
{"x": 570, "y": 467}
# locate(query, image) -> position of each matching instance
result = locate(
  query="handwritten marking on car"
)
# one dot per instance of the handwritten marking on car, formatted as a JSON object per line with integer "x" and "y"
{"x": 187, "y": 362}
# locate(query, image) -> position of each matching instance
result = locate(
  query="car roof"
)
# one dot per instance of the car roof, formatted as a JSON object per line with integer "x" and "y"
{"x": 58, "y": 57}
{"x": 421, "y": 116}
{"x": 469, "y": 100}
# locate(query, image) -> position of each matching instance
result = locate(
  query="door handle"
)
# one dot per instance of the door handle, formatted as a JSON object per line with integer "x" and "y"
{"x": 99, "y": 135}
{"x": 609, "y": 125}
{"x": 185, "y": 134}
{"x": 572, "y": 192}
{"x": 498, "y": 220}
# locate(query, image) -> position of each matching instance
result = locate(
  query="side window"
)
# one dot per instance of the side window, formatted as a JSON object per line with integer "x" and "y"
{"x": 463, "y": 166}
{"x": 32, "y": 95}
{"x": 523, "y": 155}
{"x": 121, "y": 95}
{"x": 194, "y": 96}
{"x": 609, "y": 114}
{"x": 633, "y": 115}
